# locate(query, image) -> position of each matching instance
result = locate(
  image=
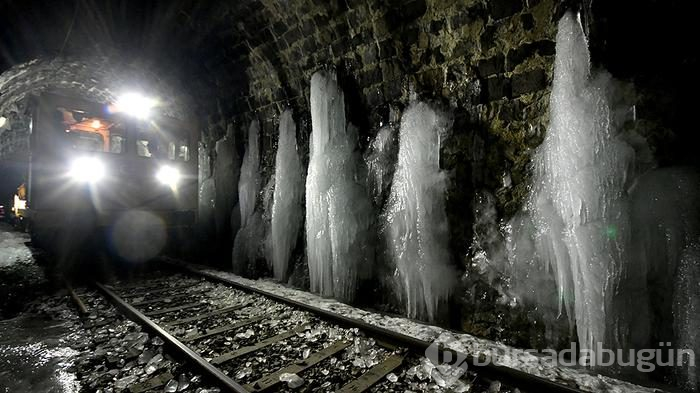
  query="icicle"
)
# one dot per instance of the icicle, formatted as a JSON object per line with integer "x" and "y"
{"x": 287, "y": 201}
{"x": 248, "y": 241}
{"x": 338, "y": 210}
{"x": 416, "y": 223}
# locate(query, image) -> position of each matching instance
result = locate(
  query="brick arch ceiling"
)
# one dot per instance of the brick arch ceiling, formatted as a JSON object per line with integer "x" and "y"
{"x": 187, "y": 41}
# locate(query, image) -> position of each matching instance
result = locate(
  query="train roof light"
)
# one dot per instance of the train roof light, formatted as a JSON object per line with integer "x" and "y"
{"x": 135, "y": 104}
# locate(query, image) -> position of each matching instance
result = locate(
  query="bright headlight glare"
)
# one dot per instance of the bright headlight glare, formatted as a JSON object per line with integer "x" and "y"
{"x": 87, "y": 170}
{"x": 135, "y": 104}
{"x": 168, "y": 175}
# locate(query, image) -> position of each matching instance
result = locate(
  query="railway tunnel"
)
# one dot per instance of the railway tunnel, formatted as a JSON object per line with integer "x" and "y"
{"x": 347, "y": 196}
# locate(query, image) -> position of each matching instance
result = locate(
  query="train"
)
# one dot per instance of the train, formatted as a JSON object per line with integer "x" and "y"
{"x": 98, "y": 173}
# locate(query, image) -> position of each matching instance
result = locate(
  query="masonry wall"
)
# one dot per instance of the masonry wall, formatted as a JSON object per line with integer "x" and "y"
{"x": 489, "y": 62}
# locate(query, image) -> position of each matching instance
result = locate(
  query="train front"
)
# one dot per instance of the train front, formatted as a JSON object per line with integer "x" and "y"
{"x": 98, "y": 174}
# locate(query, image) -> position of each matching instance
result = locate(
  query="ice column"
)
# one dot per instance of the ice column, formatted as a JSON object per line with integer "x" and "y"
{"x": 246, "y": 245}
{"x": 415, "y": 219}
{"x": 579, "y": 205}
{"x": 338, "y": 210}
{"x": 287, "y": 197}
{"x": 249, "y": 184}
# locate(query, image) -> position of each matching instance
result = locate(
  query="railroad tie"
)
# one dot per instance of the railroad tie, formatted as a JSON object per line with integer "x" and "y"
{"x": 223, "y": 329}
{"x": 273, "y": 379}
{"x": 222, "y": 311}
{"x": 373, "y": 375}
{"x": 257, "y": 346}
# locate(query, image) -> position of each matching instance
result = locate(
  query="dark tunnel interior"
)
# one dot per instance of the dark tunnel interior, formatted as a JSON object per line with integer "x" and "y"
{"x": 492, "y": 175}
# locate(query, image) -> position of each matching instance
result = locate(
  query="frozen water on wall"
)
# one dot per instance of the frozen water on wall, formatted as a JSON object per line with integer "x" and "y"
{"x": 287, "y": 200}
{"x": 380, "y": 160}
{"x": 612, "y": 241}
{"x": 226, "y": 172}
{"x": 250, "y": 236}
{"x": 686, "y": 313}
{"x": 267, "y": 201}
{"x": 338, "y": 210}
{"x": 207, "y": 193}
{"x": 579, "y": 206}
{"x": 415, "y": 218}
{"x": 247, "y": 247}
{"x": 249, "y": 185}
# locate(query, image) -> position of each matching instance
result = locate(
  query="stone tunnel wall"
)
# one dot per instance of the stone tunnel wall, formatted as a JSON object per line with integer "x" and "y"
{"x": 489, "y": 63}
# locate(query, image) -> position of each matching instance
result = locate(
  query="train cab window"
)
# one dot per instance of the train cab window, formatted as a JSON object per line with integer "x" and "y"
{"x": 85, "y": 131}
{"x": 117, "y": 143}
{"x": 184, "y": 151}
{"x": 85, "y": 141}
{"x": 171, "y": 150}
{"x": 145, "y": 148}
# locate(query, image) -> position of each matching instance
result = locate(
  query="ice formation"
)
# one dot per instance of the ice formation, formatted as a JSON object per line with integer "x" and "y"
{"x": 380, "y": 160}
{"x": 287, "y": 200}
{"x": 610, "y": 240}
{"x": 686, "y": 314}
{"x": 338, "y": 210}
{"x": 579, "y": 207}
{"x": 415, "y": 218}
{"x": 247, "y": 244}
{"x": 249, "y": 184}
{"x": 207, "y": 194}
{"x": 226, "y": 173}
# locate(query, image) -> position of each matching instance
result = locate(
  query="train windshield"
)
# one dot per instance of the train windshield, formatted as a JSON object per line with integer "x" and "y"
{"x": 162, "y": 144}
{"x": 85, "y": 131}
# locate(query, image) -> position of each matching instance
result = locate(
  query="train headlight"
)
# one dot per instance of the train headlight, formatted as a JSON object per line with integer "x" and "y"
{"x": 135, "y": 104}
{"x": 168, "y": 175}
{"x": 87, "y": 170}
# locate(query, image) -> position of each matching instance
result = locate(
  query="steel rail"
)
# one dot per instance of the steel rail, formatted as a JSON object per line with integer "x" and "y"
{"x": 135, "y": 315}
{"x": 510, "y": 376}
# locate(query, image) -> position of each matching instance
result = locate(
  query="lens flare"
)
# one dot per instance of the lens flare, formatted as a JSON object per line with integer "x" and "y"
{"x": 168, "y": 176}
{"x": 87, "y": 170}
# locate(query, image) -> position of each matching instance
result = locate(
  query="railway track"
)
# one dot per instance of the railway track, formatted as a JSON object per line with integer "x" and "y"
{"x": 248, "y": 341}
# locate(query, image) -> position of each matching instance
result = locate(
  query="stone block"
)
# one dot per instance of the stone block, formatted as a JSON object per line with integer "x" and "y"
{"x": 387, "y": 49}
{"x": 500, "y": 9}
{"x": 308, "y": 27}
{"x": 527, "y": 21}
{"x": 491, "y": 66}
{"x": 529, "y": 82}
{"x": 517, "y": 55}
{"x": 487, "y": 38}
{"x": 371, "y": 77}
{"x": 460, "y": 19}
{"x": 293, "y": 35}
{"x": 369, "y": 54}
{"x": 495, "y": 88}
{"x": 279, "y": 28}
{"x": 436, "y": 26}
{"x": 414, "y": 10}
